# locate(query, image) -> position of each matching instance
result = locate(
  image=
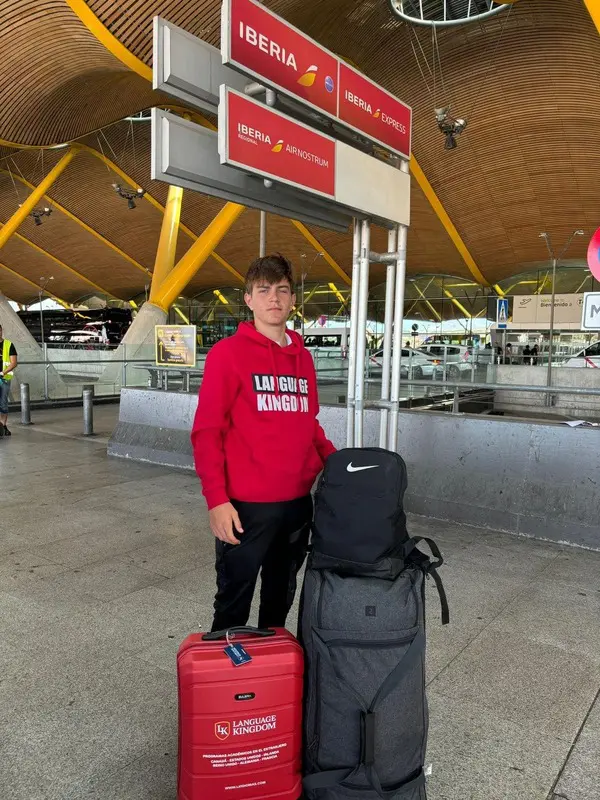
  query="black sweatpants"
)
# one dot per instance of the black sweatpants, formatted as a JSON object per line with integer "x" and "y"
{"x": 275, "y": 540}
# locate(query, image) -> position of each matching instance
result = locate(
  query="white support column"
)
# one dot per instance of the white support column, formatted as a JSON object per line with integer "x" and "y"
{"x": 387, "y": 337}
{"x": 361, "y": 332}
{"x": 353, "y": 328}
{"x": 398, "y": 322}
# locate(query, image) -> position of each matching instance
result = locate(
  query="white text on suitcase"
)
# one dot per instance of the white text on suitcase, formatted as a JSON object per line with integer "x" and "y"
{"x": 244, "y": 727}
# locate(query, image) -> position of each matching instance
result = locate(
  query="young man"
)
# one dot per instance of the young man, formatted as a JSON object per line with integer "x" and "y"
{"x": 258, "y": 448}
{"x": 8, "y": 353}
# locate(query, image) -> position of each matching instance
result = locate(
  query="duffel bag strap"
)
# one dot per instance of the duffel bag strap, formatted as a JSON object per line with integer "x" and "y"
{"x": 442, "y": 593}
{"x": 431, "y": 568}
{"x": 398, "y": 791}
{"x": 396, "y": 676}
{"x": 333, "y": 777}
{"x": 326, "y": 780}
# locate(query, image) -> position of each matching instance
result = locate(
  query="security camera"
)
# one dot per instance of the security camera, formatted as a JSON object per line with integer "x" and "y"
{"x": 449, "y": 126}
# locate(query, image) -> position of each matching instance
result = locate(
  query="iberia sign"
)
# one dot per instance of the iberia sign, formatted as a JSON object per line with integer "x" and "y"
{"x": 261, "y": 44}
{"x": 259, "y": 139}
{"x": 370, "y": 110}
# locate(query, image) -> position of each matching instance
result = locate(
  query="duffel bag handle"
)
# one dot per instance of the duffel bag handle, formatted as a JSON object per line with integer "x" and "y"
{"x": 246, "y": 630}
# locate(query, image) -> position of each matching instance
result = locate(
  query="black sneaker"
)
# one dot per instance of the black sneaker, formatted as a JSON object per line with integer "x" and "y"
{"x": 1, "y": 431}
{"x": 6, "y": 432}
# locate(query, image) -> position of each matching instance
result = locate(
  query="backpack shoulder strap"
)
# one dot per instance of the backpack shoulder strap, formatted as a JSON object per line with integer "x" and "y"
{"x": 430, "y": 568}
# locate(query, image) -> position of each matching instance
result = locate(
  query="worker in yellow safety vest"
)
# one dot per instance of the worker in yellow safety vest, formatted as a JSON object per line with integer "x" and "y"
{"x": 9, "y": 362}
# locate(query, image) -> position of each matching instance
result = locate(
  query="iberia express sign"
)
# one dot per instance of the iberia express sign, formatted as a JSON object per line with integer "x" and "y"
{"x": 258, "y": 43}
{"x": 370, "y": 110}
{"x": 256, "y": 138}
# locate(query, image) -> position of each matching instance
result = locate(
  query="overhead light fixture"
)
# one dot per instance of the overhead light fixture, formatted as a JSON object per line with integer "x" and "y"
{"x": 128, "y": 195}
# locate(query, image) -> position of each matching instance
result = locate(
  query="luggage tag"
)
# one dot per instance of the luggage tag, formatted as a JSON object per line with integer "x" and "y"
{"x": 237, "y": 653}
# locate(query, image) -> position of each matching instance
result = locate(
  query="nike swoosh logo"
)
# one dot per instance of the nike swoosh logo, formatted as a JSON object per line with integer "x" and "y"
{"x": 351, "y": 468}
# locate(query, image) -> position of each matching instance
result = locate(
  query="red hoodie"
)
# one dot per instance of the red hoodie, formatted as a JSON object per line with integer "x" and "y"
{"x": 255, "y": 436}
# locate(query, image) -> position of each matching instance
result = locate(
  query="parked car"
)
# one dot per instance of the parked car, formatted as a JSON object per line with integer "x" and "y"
{"x": 459, "y": 359}
{"x": 588, "y": 357}
{"x": 414, "y": 364}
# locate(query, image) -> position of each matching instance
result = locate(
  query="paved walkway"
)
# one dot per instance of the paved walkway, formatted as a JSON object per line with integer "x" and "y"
{"x": 105, "y": 566}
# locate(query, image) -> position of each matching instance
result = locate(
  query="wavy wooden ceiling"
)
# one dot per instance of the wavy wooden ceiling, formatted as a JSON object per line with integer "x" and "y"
{"x": 529, "y": 160}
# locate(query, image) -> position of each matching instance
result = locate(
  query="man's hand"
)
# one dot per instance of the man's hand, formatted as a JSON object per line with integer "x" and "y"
{"x": 224, "y": 520}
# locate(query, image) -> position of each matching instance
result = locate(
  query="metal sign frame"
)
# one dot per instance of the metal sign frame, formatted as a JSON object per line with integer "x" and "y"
{"x": 286, "y": 197}
{"x": 204, "y": 173}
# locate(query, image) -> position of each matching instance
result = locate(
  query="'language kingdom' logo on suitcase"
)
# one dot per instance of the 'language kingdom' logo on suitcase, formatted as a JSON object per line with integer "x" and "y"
{"x": 222, "y": 730}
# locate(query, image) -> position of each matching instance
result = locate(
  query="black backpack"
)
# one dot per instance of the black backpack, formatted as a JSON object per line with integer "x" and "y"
{"x": 359, "y": 524}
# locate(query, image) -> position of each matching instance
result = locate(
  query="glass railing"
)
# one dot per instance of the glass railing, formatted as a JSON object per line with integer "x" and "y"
{"x": 479, "y": 382}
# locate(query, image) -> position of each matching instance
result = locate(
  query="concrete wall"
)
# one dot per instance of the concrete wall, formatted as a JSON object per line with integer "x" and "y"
{"x": 138, "y": 343}
{"x": 155, "y": 426}
{"x": 565, "y": 405}
{"x": 532, "y": 478}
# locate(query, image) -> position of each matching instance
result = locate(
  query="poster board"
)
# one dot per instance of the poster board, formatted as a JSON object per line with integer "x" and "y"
{"x": 175, "y": 345}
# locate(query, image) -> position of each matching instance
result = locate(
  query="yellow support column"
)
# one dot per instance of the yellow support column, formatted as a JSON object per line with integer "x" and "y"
{"x": 443, "y": 217}
{"x": 429, "y": 305}
{"x": 593, "y": 6}
{"x": 458, "y": 304}
{"x": 191, "y": 262}
{"x": 34, "y": 198}
{"x": 320, "y": 249}
{"x": 167, "y": 243}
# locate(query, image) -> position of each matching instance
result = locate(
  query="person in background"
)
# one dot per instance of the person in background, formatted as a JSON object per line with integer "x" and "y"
{"x": 258, "y": 448}
{"x": 9, "y": 362}
{"x": 526, "y": 355}
{"x": 534, "y": 355}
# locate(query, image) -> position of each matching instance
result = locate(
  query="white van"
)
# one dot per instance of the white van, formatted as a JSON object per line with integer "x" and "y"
{"x": 329, "y": 338}
{"x": 413, "y": 364}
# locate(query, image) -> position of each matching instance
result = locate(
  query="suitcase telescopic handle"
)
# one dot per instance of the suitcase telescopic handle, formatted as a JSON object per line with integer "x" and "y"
{"x": 246, "y": 630}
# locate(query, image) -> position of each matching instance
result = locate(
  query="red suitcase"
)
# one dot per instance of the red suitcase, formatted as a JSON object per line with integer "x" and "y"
{"x": 240, "y": 728}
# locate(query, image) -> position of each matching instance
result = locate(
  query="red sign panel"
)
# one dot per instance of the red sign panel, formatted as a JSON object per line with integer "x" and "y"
{"x": 270, "y": 144}
{"x": 259, "y": 43}
{"x": 371, "y": 110}
{"x": 593, "y": 255}
{"x": 262, "y": 44}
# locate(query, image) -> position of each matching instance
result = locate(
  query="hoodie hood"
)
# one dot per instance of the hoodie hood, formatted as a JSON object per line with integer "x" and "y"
{"x": 248, "y": 329}
{"x": 279, "y": 356}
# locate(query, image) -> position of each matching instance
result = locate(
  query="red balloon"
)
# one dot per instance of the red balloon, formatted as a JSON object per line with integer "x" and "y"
{"x": 593, "y": 255}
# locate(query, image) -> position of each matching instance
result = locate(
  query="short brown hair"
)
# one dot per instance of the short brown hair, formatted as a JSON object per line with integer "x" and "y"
{"x": 271, "y": 269}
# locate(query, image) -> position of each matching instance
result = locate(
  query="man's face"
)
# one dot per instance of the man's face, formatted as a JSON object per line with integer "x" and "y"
{"x": 271, "y": 303}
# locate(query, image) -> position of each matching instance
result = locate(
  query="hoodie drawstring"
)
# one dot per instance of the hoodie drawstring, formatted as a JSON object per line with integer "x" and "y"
{"x": 272, "y": 346}
{"x": 274, "y": 368}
